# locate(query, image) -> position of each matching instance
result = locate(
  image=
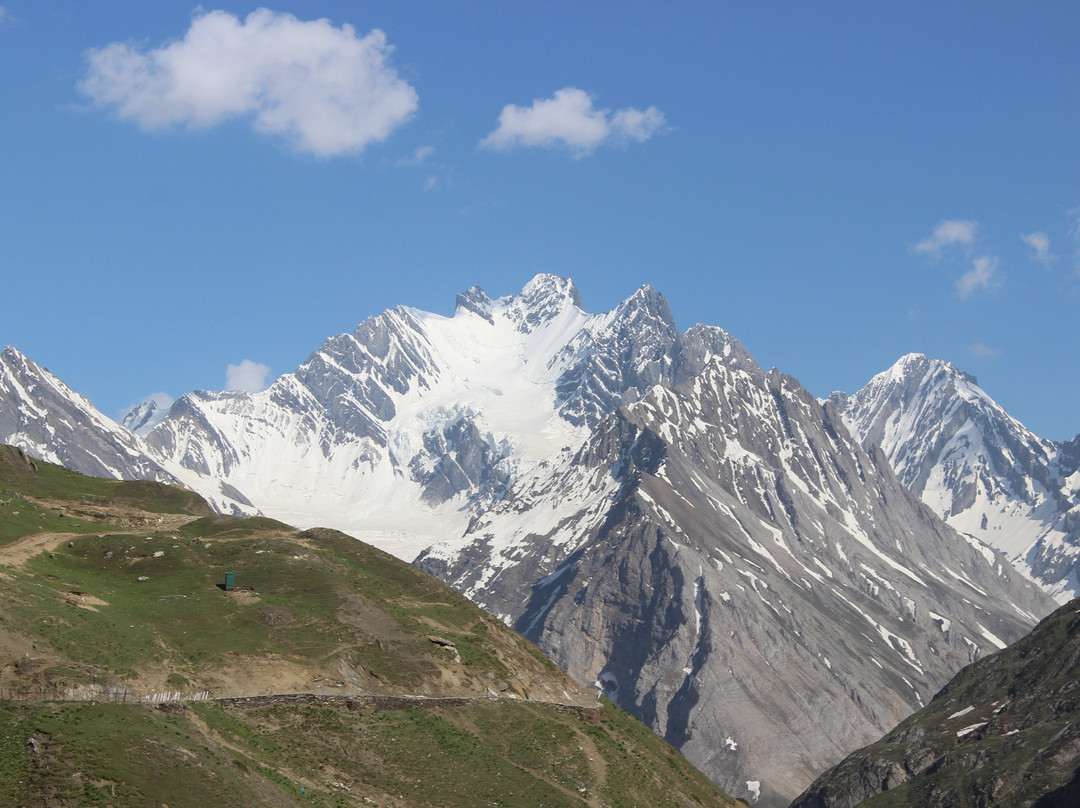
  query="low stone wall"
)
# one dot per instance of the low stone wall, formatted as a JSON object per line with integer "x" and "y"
{"x": 586, "y": 714}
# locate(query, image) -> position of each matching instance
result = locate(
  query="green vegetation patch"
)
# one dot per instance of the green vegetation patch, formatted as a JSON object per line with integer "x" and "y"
{"x": 489, "y": 753}
{"x": 110, "y": 755}
{"x": 49, "y": 481}
{"x": 21, "y": 517}
{"x": 24, "y": 481}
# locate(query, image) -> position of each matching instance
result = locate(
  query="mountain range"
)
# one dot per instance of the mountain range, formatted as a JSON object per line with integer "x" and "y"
{"x": 696, "y": 536}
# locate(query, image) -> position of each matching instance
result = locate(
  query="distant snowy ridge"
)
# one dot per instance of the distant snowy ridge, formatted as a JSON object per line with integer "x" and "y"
{"x": 976, "y": 466}
{"x": 409, "y": 427}
{"x": 143, "y": 417}
{"x": 46, "y": 418}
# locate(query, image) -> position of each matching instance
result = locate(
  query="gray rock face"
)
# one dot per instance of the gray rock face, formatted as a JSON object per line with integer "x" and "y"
{"x": 142, "y": 418}
{"x": 620, "y": 361}
{"x": 729, "y": 565}
{"x": 1004, "y": 731}
{"x": 458, "y": 458}
{"x": 975, "y": 466}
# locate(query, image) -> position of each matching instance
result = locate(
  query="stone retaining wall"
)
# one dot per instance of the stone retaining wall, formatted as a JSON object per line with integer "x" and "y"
{"x": 586, "y": 714}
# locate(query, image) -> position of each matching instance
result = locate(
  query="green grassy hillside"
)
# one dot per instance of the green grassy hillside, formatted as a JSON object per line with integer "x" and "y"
{"x": 112, "y": 593}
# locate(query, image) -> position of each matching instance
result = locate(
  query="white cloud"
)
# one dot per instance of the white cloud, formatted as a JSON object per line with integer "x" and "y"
{"x": 983, "y": 276}
{"x": 950, "y": 231}
{"x": 162, "y": 400}
{"x": 1040, "y": 243}
{"x": 248, "y": 376}
{"x": 569, "y": 120}
{"x": 418, "y": 158}
{"x": 324, "y": 89}
{"x": 981, "y": 351}
{"x": 635, "y": 124}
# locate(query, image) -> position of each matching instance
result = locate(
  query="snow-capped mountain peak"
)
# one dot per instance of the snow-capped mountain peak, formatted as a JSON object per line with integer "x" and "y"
{"x": 976, "y": 466}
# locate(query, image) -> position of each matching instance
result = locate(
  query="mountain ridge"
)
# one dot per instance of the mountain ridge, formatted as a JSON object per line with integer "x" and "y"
{"x": 976, "y": 742}
{"x": 977, "y": 467}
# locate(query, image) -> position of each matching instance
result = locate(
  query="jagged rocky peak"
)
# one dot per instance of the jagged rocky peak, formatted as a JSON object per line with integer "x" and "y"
{"x": 974, "y": 465}
{"x": 540, "y": 301}
{"x": 143, "y": 417}
{"x": 10, "y": 354}
{"x": 703, "y": 343}
{"x": 477, "y": 301}
{"x": 647, "y": 302}
{"x": 140, "y": 415}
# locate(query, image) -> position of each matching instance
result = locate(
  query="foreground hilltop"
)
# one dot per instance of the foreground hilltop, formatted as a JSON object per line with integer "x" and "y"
{"x": 332, "y": 675}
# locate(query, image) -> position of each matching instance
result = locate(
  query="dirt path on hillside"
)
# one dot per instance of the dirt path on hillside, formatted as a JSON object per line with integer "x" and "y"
{"x": 22, "y": 550}
{"x": 113, "y": 520}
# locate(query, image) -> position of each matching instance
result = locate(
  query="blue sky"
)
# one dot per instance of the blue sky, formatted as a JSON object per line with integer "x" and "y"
{"x": 836, "y": 184}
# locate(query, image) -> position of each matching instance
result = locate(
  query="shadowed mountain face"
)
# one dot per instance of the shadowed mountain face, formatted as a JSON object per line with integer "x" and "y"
{"x": 699, "y": 537}
{"x": 725, "y": 561}
{"x": 975, "y": 466}
{"x": 1004, "y": 731}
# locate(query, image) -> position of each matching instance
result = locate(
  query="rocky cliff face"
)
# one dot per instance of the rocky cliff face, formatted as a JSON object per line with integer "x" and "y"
{"x": 975, "y": 466}
{"x": 1004, "y": 731}
{"x": 728, "y": 564}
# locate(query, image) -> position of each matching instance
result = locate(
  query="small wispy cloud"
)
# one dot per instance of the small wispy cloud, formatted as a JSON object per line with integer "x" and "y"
{"x": 981, "y": 351}
{"x": 948, "y": 232}
{"x": 1040, "y": 243}
{"x": 248, "y": 376}
{"x": 324, "y": 89}
{"x": 419, "y": 157}
{"x": 983, "y": 276}
{"x": 161, "y": 400}
{"x": 569, "y": 120}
